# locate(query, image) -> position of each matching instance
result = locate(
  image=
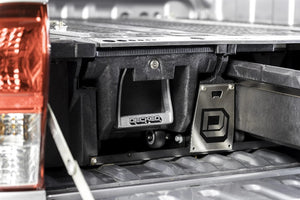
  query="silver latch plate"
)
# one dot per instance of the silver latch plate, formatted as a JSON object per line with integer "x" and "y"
{"x": 213, "y": 124}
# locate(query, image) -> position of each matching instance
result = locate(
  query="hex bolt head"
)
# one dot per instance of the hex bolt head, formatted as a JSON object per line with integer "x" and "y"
{"x": 154, "y": 64}
{"x": 93, "y": 161}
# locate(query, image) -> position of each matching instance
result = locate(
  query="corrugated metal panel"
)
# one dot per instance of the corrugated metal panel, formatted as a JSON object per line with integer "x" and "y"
{"x": 154, "y": 169}
{"x": 216, "y": 163}
{"x": 262, "y": 189}
{"x": 261, "y": 175}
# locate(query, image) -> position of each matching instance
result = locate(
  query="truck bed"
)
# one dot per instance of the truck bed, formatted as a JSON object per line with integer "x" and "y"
{"x": 87, "y": 60}
{"x": 261, "y": 174}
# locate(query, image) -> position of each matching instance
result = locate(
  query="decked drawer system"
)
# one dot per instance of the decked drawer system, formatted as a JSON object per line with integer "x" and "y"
{"x": 138, "y": 91}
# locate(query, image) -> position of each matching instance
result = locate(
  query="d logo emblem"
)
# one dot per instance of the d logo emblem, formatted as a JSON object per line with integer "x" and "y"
{"x": 214, "y": 125}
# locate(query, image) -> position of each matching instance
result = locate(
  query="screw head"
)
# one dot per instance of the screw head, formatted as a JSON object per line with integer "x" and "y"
{"x": 154, "y": 64}
{"x": 230, "y": 86}
{"x": 203, "y": 88}
{"x": 93, "y": 161}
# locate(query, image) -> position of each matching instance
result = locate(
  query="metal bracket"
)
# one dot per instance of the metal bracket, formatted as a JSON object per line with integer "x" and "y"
{"x": 213, "y": 124}
{"x": 65, "y": 153}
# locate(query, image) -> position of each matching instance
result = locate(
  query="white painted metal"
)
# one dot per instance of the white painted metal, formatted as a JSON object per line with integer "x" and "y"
{"x": 66, "y": 155}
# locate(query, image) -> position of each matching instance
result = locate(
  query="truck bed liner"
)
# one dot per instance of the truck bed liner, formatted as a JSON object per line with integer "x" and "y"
{"x": 258, "y": 174}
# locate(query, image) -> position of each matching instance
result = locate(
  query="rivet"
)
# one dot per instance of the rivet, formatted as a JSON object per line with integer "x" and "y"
{"x": 203, "y": 88}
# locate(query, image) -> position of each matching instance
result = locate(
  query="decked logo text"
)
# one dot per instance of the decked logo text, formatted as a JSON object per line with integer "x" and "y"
{"x": 145, "y": 120}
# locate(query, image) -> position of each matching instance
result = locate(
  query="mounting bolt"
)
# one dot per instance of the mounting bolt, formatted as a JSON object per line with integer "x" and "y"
{"x": 203, "y": 88}
{"x": 179, "y": 138}
{"x": 93, "y": 161}
{"x": 231, "y": 87}
{"x": 154, "y": 64}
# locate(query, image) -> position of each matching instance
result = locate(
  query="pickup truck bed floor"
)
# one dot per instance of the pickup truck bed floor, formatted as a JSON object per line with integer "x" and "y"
{"x": 262, "y": 174}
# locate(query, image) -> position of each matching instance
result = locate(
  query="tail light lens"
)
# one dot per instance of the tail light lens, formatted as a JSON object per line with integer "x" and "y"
{"x": 23, "y": 93}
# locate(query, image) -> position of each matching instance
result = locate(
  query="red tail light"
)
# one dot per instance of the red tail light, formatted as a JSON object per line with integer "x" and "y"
{"x": 23, "y": 93}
